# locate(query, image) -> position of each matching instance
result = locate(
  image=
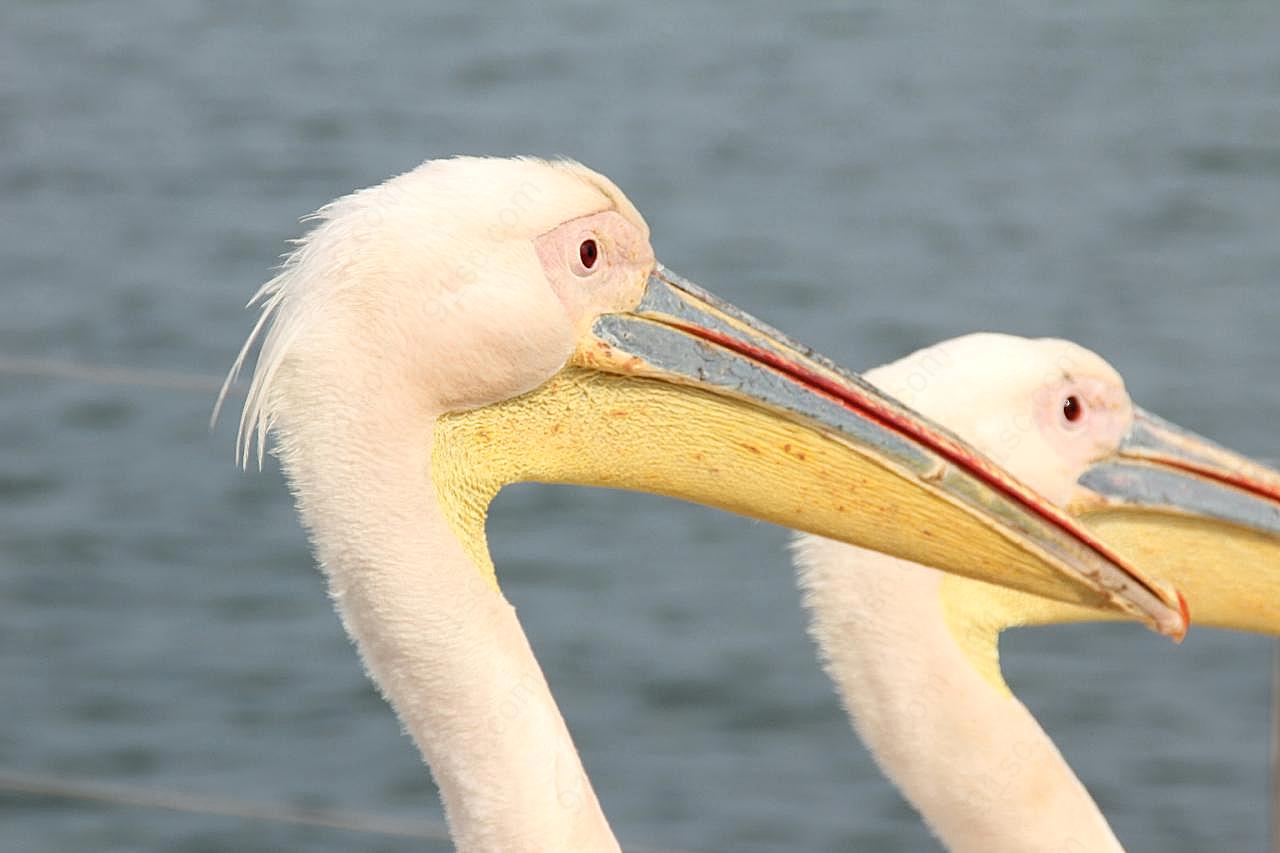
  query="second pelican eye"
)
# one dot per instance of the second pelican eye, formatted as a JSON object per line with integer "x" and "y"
{"x": 1072, "y": 409}
{"x": 588, "y": 252}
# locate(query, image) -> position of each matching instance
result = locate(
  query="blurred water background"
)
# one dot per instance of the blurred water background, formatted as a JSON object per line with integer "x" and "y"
{"x": 871, "y": 177}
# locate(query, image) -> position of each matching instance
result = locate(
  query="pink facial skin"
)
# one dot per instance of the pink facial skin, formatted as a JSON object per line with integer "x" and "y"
{"x": 1082, "y": 419}
{"x": 595, "y": 264}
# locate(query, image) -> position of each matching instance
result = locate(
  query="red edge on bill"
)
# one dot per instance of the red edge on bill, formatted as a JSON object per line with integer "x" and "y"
{"x": 1228, "y": 478}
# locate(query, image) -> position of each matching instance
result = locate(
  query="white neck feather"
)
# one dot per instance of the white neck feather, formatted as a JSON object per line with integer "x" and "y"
{"x": 444, "y": 647}
{"x": 970, "y": 757}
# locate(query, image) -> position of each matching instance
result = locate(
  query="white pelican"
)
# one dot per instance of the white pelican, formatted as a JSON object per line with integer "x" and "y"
{"x": 477, "y": 322}
{"x": 914, "y": 654}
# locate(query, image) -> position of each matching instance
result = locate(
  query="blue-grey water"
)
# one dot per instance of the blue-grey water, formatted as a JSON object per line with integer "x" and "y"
{"x": 871, "y": 176}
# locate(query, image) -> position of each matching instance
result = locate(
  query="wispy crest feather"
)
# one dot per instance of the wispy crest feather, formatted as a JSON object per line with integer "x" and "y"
{"x": 284, "y": 311}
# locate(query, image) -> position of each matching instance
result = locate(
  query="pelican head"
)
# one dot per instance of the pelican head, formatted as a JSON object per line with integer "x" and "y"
{"x": 1189, "y": 511}
{"x": 510, "y": 315}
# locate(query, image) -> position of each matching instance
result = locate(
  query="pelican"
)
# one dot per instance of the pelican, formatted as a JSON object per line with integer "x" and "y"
{"x": 477, "y": 322}
{"x": 914, "y": 654}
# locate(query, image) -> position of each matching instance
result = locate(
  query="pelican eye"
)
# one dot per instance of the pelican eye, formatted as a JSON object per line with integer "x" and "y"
{"x": 588, "y": 252}
{"x": 1072, "y": 409}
